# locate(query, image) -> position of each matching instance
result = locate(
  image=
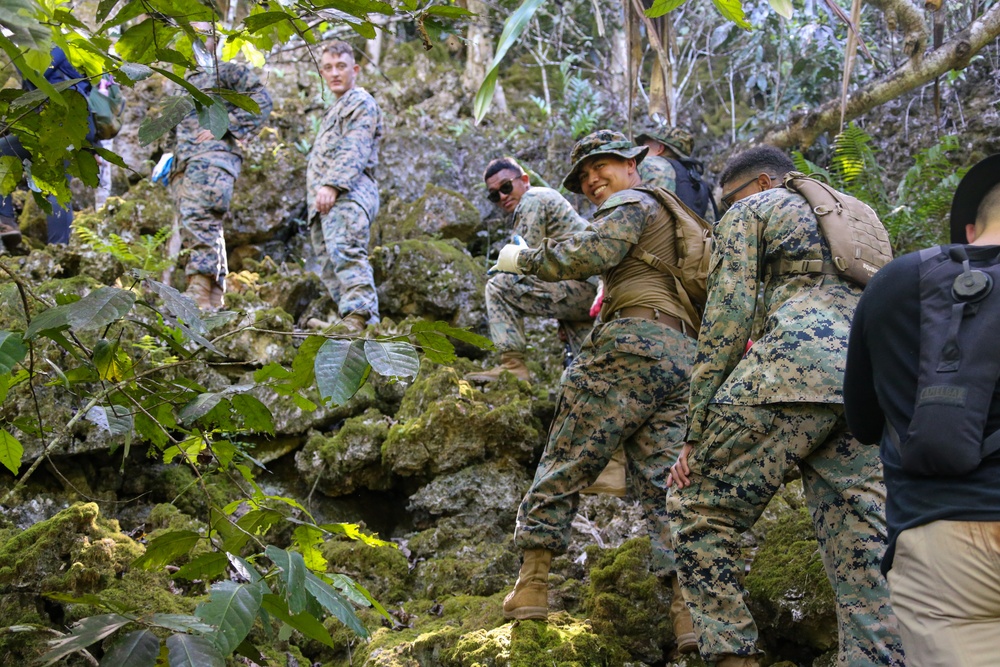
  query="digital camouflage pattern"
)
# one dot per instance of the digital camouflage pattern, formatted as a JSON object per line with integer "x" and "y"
{"x": 344, "y": 156}
{"x": 756, "y": 414}
{"x": 627, "y": 387}
{"x": 657, "y": 172}
{"x": 542, "y": 213}
{"x": 204, "y": 173}
{"x": 344, "y": 266}
{"x": 737, "y": 467}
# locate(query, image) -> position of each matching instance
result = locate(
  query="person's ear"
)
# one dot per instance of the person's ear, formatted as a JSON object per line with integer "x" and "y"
{"x": 764, "y": 181}
{"x": 970, "y": 233}
{"x": 525, "y": 178}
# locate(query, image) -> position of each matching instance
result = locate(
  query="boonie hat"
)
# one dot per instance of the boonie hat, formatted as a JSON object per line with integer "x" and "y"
{"x": 676, "y": 138}
{"x": 970, "y": 193}
{"x": 602, "y": 142}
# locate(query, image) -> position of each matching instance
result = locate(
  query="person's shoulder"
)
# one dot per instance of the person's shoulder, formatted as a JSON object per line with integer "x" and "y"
{"x": 543, "y": 195}
{"x": 627, "y": 197}
{"x": 358, "y": 97}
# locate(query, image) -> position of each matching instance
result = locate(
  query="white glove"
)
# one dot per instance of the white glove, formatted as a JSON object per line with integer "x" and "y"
{"x": 507, "y": 261}
{"x": 595, "y": 308}
{"x": 161, "y": 172}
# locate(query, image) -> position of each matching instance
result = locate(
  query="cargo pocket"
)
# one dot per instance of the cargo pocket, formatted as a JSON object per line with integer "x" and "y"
{"x": 731, "y": 446}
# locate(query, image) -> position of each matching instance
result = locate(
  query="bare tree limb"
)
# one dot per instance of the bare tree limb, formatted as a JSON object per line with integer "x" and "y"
{"x": 803, "y": 128}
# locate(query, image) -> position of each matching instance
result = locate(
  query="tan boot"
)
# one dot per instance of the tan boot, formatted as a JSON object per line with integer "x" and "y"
{"x": 510, "y": 362}
{"x": 218, "y": 295}
{"x": 200, "y": 289}
{"x": 737, "y": 661}
{"x": 680, "y": 616}
{"x": 530, "y": 598}
{"x": 352, "y": 324}
{"x": 612, "y": 479}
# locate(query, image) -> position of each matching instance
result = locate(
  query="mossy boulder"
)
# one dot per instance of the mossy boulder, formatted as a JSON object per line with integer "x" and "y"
{"x": 432, "y": 278}
{"x": 384, "y": 571}
{"x": 269, "y": 194}
{"x": 487, "y": 492}
{"x": 445, "y": 424}
{"x": 350, "y": 459}
{"x": 439, "y": 213}
{"x": 790, "y": 595}
{"x": 626, "y": 600}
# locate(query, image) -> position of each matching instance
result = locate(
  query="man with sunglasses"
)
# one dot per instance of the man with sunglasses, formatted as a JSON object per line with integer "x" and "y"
{"x": 628, "y": 387}
{"x": 756, "y": 414}
{"x": 537, "y": 213}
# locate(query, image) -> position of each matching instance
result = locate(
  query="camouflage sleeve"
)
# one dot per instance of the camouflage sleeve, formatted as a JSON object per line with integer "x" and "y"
{"x": 346, "y": 159}
{"x": 588, "y": 253}
{"x": 529, "y": 220}
{"x": 244, "y": 80}
{"x": 733, "y": 284}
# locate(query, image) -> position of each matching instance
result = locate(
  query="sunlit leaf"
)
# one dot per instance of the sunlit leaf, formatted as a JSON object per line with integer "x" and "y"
{"x": 392, "y": 358}
{"x": 733, "y": 10}
{"x": 173, "y": 111}
{"x": 11, "y": 451}
{"x": 341, "y": 369}
{"x": 232, "y": 608}
{"x": 512, "y": 29}
{"x": 88, "y": 631}
{"x": 661, "y": 7}
{"x": 193, "y": 651}
{"x": 11, "y": 172}
{"x": 166, "y": 548}
{"x": 12, "y": 351}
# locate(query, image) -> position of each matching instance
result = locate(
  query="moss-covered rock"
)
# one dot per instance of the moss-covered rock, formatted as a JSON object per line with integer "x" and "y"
{"x": 440, "y": 213}
{"x": 790, "y": 595}
{"x": 384, "y": 571}
{"x": 445, "y": 424}
{"x": 350, "y": 459}
{"x": 487, "y": 492}
{"x": 626, "y": 600}
{"x": 268, "y": 196}
{"x": 433, "y": 278}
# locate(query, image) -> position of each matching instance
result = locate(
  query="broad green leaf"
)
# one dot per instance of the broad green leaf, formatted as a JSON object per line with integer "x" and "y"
{"x": 733, "y": 10}
{"x": 12, "y": 350}
{"x": 136, "y": 71}
{"x": 355, "y": 592}
{"x": 19, "y": 16}
{"x": 111, "y": 156}
{"x": 5, "y": 380}
{"x": 232, "y": 608}
{"x": 172, "y": 112}
{"x": 215, "y": 118}
{"x": 11, "y": 451}
{"x": 204, "y": 403}
{"x": 166, "y": 548}
{"x": 359, "y": 8}
{"x": 113, "y": 419}
{"x": 239, "y": 100}
{"x": 436, "y": 347}
{"x": 11, "y": 172}
{"x": 661, "y": 7}
{"x": 244, "y": 569}
{"x": 304, "y": 622}
{"x": 392, "y": 358}
{"x": 783, "y": 7}
{"x": 86, "y": 632}
{"x": 353, "y": 531}
{"x": 205, "y": 567}
{"x": 258, "y": 522}
{"x": 104, "y": 8}
{"x": 181, "y": 623}
{"x": 341, "y": 369}
{"x": 463, "y": 335}
{"x": 449, "y": 11}
{"x": 307, "y": 539}
{"x": 257, "y": 22}
{"x": 292, "y": 574}
{"x": 138, "y": 43}
{"x": 256, "y": 416}
{"x": 136, "y": 649}
{"x": 98, "y": 309}
{"x": 88, "y": 598}
{"x": 193, "y": 651}
{"x": 86, "y": 168}
{"x": 334, "y": 603}
{"x": 512, "y": 29}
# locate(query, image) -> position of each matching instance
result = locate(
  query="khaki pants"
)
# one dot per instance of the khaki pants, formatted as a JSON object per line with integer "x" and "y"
{"x": 945, "y": 588}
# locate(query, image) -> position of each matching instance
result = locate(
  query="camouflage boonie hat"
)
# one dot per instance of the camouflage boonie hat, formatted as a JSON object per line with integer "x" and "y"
{"x": 676, "y": 138}
{"x": 602, "y": 142}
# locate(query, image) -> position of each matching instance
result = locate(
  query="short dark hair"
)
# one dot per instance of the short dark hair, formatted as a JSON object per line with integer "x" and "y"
{"x": 758, "y": 159}
{"x": 502, "y": 164}
{"x": 989, "y": 208}
{"x": 339, "y": 48}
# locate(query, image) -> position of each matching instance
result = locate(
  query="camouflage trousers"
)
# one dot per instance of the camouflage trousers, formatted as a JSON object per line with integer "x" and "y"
{"x": 203, "y": 193}
{"x": 344, "y": 233}
{"x": 628, "y": 387}
{"x": 736, "y": 470}
{"x": 510, "y": 297}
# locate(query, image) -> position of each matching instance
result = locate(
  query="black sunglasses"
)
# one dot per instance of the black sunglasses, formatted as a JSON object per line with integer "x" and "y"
{"x": 727, "y": 198}
{"x": 505, "y": 189}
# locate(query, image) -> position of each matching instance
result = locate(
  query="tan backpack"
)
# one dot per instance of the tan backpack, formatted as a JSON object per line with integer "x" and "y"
{"x": 693, "y": 244}
{"x": 859, "y": 244}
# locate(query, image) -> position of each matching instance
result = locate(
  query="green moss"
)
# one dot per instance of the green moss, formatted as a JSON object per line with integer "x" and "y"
{"x": 439, "y": 212}
{"x": 627, "y": 601}
{"x": 384, "y": 571}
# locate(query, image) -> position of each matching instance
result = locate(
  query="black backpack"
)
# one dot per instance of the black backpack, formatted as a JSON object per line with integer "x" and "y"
{"x": 691, "y": 188}
{"x": 959, "y": 368}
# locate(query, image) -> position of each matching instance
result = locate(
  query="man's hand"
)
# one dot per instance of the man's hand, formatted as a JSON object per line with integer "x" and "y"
{"x": 326, "y": 197}
{"x": 203, "y": 136}
{"x": 680, "y": 471}
{"x": 507, "y": 261}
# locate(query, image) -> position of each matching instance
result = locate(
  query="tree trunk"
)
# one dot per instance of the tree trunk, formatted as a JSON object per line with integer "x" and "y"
{"x": 802, "y": 129}
{"x": 479, "y": 54}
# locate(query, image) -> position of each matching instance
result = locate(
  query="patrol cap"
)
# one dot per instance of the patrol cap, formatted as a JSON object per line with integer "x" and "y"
{"x": 970, "y": 193}
{"x": 676, "y": 138}
{"x": 602, "y": 142}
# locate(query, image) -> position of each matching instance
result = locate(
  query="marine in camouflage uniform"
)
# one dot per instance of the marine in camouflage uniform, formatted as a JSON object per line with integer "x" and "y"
{"x": 659, "y": 172}
{"x": 205, "y": 168}
{"x": 757, "y": 413}
{"x": 629, "y": 385}
{"x": 344, "y": 157}
{"x": 542, "y": 213}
